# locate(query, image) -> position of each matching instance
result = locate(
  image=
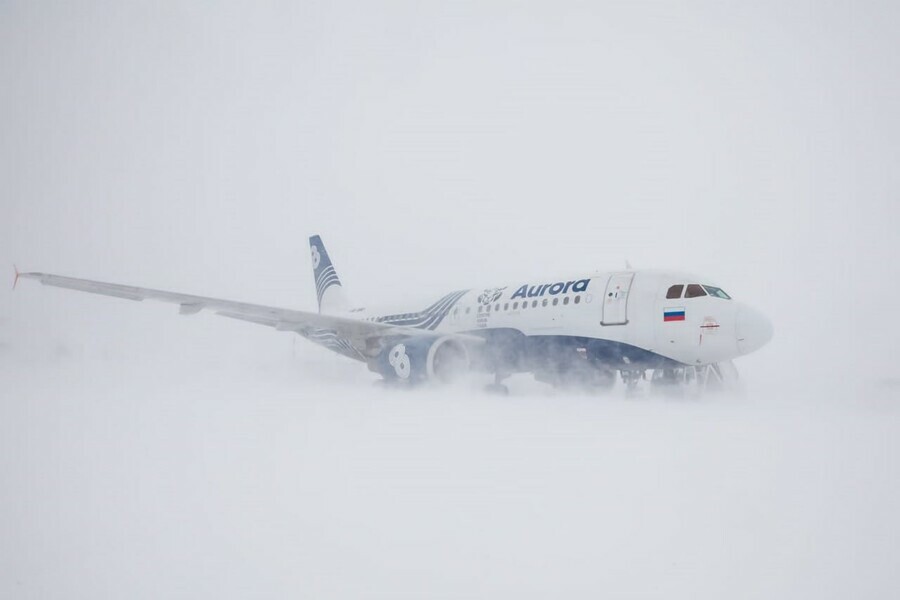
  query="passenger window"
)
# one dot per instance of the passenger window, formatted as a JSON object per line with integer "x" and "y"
{"x": 675, "y": 291}
{"x": 534, "y": 304}
{"x": 506, "y": 306}
{"x": 544, "y": 303}
{"x": 565, "y": 300}
{"x": 468, "y": 308}
{"x": 577, "y": 299}
{"x": 555, "y": 301}
{"x": 694, "y": 290}
{"x": 497, "y": 307}
{"x": 515, "y": 305}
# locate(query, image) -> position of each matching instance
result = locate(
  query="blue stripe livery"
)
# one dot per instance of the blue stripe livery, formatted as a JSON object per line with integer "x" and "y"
{"x": 429, "y": 318}
{"x": 323, "y": 270}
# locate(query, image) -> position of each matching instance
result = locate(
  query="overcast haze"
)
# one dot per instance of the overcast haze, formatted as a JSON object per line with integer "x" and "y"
{"x": 195, "y": 147}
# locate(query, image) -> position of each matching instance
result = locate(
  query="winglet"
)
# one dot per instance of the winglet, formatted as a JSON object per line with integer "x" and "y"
{"x": 16, "y": 280}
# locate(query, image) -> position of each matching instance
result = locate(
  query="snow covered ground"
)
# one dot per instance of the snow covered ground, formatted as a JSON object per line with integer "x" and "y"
{"x": 437, "y": 146}
{"x": 266, "y": 479}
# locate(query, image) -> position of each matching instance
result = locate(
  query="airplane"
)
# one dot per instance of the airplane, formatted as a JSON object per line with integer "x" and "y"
{"x": 580, "y": 331}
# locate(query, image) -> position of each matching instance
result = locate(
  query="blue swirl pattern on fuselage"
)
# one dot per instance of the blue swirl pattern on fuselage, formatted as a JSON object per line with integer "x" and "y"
{"x": 429, "y": 318}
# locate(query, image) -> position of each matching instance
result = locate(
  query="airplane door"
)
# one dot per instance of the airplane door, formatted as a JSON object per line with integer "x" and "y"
{"x": 615, "y": 300}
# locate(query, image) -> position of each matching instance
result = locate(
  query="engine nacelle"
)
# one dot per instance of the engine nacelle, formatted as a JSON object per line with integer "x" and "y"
{"x": 421, "y": 359}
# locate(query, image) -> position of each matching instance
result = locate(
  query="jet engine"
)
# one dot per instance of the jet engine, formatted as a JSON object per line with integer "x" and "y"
{"x": 421, "y": 359}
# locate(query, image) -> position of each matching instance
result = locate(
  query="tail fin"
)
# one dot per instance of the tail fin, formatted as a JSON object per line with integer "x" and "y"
{"x": 329, "y": 290}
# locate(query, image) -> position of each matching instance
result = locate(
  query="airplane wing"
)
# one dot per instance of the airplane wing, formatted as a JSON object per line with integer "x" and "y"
{"x": 360, "y": 333}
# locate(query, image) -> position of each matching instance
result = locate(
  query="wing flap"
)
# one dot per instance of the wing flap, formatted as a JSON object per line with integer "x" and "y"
{"x": 248, "y": 318}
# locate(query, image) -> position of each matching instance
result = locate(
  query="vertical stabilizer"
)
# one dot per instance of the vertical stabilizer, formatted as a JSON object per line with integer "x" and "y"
{"x": 329, "y": 291}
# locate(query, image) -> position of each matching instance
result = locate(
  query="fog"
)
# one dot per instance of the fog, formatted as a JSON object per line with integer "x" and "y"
{"x": 195, "y": 148}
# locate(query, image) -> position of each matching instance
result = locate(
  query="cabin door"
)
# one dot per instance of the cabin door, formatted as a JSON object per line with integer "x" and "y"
{"x": 615, "y": 300}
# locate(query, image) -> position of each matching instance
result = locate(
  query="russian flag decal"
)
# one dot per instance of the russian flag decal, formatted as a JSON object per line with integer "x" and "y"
{"x": 673, "y": 314}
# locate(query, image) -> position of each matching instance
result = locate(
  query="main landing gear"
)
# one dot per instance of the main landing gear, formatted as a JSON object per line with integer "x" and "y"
{"x": 497, "y": 388}
{"x": 631, "y": 380}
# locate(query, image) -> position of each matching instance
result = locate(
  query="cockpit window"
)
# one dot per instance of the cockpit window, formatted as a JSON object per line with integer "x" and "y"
{"x": 717, "y": 292}
{"x": 675, "y": 291}
{"x": 694, "y": 290}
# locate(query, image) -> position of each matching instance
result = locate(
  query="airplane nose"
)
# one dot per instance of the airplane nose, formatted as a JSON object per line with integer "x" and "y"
{"x": 754, "y": 329}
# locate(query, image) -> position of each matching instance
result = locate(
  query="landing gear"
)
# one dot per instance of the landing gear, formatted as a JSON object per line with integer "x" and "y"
{"x": 579, "y": 377}
{"x": 602, "y": 379}
{"x": 695, "y": 381}
{"x": 672, "y": 382}
{"x": 497, "y": 388}
{"x": 718, "y": 377}
{"x": 631, "y": 380}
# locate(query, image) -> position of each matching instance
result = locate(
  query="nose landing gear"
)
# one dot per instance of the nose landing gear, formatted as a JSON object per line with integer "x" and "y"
{"x": 695, "y": 381}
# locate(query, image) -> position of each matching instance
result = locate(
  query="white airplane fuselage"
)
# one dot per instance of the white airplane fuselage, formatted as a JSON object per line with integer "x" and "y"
{"x": 624, "y": 319}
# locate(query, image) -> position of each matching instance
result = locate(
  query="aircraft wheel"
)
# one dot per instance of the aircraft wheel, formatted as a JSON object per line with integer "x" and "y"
{"x": 631, "y": 380}
{"x": 603, "y": 380}
{"x": 668, "y": 382}
{"x": 497, "y": 389}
